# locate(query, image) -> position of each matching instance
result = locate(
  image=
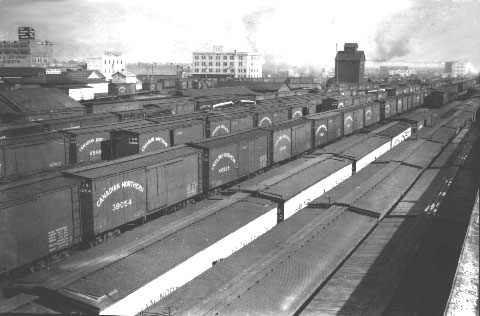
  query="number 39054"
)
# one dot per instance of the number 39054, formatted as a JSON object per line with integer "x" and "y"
{"x": 122, "y": 204}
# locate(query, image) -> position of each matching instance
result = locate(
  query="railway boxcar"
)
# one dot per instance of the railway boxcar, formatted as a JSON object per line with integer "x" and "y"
{"x": 326, "y": 127}
{"x": 38, "y": 217}
{"x": 228, "y": 121}
{"x": 90, "y": 143}
{"x": 79, "y": 122}
{"x": 230, "y": 157}
{"x": 353, "y": 119}
{"x": 24, "y": 154}
{"x": 147, "y": 138}
{"x": 115, "y": 193}
{"x": 20, "y": 129}
{"x": 436, "y": 99}
{"x": 266, "y": 116}
{"x": 290, "y": 139}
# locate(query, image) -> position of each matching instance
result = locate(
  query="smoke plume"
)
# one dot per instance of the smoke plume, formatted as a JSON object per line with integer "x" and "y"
{"x": 252, "y": 22}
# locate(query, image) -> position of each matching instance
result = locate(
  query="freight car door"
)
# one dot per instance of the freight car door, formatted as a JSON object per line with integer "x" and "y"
{"x": 321, "y": 131}
{"x": 347, "y": 123}
{"x": 358, "y": 117}
{"x": 368, "y": 115}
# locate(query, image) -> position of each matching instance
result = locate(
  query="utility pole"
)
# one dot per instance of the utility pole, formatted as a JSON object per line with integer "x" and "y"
{"x": 336, "y": 63}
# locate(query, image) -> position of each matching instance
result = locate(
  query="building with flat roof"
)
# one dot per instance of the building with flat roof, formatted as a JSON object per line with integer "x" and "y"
{"x": 26, "y": 52}
{"x": 350, "y": 64}
{"x": 220, "y": 64}
{"x": 108, "y": 64}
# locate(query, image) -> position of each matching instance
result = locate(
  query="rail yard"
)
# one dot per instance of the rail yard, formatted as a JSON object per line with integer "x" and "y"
{"x": 303, "y": 203}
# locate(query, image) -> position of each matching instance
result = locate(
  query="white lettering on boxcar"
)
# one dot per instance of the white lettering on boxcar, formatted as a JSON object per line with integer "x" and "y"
{"x": 283, "y": 137}
{"x": 58, "y": 239}
{"x": 322, "y": 129}
{"x": 266, "y": 118}
{"x": 218, "y": 128}
{"x": 89, "y": 142}
{"x": 116, "y": 187}
{"x": 154, "y": 139}
{"x": 297, "y": 114}
{"x": 220, "y": 157}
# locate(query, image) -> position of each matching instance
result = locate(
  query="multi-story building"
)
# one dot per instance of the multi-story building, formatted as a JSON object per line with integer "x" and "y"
{"x": 218, "y": 63}
{"x": 26, "y": 52}
{"x": 108, "y": 64}
{"x": 456, "y": 68}
{"x": 350, "y": 64}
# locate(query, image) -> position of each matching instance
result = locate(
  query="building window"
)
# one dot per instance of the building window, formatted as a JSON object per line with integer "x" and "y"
{"x": 196, "y": 63}
{"x": 225, "y": 70}
{"x": 240, "y": 57}
{"x": 105, "y": 62}
{"x": 210, "y": 64}
{"x": 196, "y": 69}
{"x": 240, "y": 64}
{"x": 210, "y": 70}
{"x": 232, "y": 70}
{"x": 217, "y": 64}
{"x": 225, "y": 64}
{"x": 196, "y": 57}
{"x": 217, "y": 57}
{"x": 203, "y": 57}
{"x": 204, "y": 63}
{"x": 231, "y": 64}
{"x": 232, "y": 57}
{"x": 210, "y": 57}
{"x": 217, "y": 70}
{"x": 225, "y": 57}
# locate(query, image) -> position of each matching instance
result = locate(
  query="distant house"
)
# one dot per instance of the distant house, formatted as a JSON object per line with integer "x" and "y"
{"x": 124, "y": 77}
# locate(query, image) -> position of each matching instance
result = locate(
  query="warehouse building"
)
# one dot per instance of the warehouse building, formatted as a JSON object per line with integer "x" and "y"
{"x": 220, "y": 64}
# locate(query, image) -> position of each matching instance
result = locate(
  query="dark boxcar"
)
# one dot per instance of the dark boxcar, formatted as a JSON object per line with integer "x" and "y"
{"x": 85, "y": 143}
{"x": 78, "y": 122}
{"x": 38, "y": 217}
{"x": 233, "y": 156}
{"x": 144, "y": 139}
{"x": 139, "y": 140}
{"x": 185, "y": 130}
{"x": 290, "y": 139}
{"x": 111, "y": 149}
{"x": 266, "y": 116}
{"x": 115, "y": 193}
{"x": 326, "y": 127}
{"x": 224, "y": 122}
{"x": 131, "y": 115}
{"x": 20, "y": 129}
{"x": 29, "y": 153}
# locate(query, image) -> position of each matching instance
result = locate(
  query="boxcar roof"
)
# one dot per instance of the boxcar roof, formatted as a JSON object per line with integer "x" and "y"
{"x": 10, "y": 194}
{"x": 126, "y": 164}
{"x": 230, "y": 138}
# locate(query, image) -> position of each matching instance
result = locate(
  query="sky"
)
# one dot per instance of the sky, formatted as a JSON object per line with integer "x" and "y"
{"x": 302, "y": 32}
